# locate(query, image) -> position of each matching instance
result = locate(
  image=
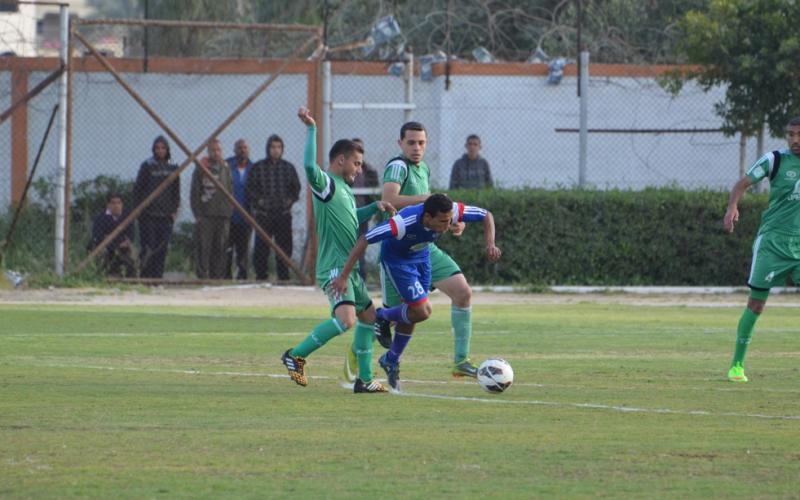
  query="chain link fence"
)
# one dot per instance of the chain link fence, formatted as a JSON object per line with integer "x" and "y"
{"x": 640, "y": 136}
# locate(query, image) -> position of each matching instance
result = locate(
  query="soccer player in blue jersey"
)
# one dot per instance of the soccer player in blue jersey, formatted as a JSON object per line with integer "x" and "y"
{"x": 406, "y": 261}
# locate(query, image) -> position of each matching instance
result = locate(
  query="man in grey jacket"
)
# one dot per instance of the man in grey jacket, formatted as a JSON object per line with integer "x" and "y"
{"x": 212, "y": 211}
{"x": 471, "y": 171}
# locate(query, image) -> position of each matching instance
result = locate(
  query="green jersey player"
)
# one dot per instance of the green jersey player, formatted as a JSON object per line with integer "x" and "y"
{"x": 776, "y": 249}
{"x": 337, "y": 222}
{"x": 406, "y": 181}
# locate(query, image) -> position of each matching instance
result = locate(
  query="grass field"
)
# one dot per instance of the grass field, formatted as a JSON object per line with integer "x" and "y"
{"x": 609, "y": 400}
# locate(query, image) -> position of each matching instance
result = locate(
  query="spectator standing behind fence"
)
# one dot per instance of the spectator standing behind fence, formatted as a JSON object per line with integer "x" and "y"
{"x": 155, "y": 222}
{"x": 212, "y": 213}
{"x": 239, "y": 236}
{"x": 272, "y": 188}
{"x": 471, "y": 171}
{"x": 120, "y": 257}
{"x": 368, "y": 178}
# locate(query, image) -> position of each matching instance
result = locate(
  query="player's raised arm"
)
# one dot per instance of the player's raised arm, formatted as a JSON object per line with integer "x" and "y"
{"x": 317, "y": 179}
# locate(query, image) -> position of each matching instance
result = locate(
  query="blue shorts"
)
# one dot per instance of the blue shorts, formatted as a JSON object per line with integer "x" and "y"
{"x": 412, "y": 281}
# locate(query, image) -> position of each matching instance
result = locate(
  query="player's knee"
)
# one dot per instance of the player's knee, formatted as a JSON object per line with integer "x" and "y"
{"x": 463, "y": 297}
{"x": 346, "y": 319}
{"x": 756, "y": 305}
{"x": 420, "y": 312}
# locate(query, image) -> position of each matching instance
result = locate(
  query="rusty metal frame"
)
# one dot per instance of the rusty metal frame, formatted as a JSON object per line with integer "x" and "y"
{"x": 192, "y": 155}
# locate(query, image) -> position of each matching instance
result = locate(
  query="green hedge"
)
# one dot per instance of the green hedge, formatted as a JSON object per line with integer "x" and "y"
{"x": 573, "y": 237}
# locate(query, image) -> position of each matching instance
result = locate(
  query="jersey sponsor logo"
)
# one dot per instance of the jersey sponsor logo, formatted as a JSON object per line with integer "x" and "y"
{"x": 419, "y": 246}
{"x": 791, "y": 174}
{"x": 795, "y": 196}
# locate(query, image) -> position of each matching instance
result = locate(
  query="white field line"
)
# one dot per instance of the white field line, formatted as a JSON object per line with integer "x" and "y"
{"x": 558, "y": 404}
{"x": 153, "y": 334}
{"x": 597, "y": 406}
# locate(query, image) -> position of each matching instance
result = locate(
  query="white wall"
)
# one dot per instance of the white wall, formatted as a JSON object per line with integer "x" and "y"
{"x": 515, "y": 116}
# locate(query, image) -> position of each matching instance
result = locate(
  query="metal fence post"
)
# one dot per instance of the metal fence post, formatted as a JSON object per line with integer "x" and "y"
{"x": 327, "y": 109}
{"x": 408, "y": 79}
{"x": 584, "y": 119}
{"x": 61, "y": 187}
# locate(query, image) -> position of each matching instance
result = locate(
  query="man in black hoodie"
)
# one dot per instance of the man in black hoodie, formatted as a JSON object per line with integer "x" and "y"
{"x": 272, "y": 188}
{"x": 155, "y": 222}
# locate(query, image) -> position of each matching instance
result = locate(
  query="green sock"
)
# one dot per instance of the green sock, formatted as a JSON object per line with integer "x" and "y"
{"x": 318, "y": 337}
{"x": 362, "y": 346}
{"x": 743, "y": 333}
{"x": 462, "y": 331}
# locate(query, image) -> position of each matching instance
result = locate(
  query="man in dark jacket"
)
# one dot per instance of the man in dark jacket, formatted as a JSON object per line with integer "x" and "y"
{"x": 272, "y": 188}
{"x": 239, "y": 238}
{"x": 120, "y": 259}
{"x": 155, "y": 222}
{"x": 471, "y": 171}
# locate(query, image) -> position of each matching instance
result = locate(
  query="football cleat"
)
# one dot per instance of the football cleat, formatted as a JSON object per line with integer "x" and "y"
{"x": 383, "y": 332}
{"x": 350, "y": 365}
{"x": 465, "y": 368}
{"x": 392, "y": 372}
{"x": 295, "y": 366}
{"x": 736, "y": 373}
{"x": 362, "y": 387}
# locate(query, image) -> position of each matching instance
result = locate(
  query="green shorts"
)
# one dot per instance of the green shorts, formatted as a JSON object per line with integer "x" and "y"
{"x": 356, "y": 293}
{"x": 774, "y": 258}
{"x": 442, "y": 267}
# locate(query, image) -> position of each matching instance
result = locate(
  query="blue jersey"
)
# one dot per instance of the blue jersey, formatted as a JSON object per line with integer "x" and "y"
{"x": 406, "y": 239}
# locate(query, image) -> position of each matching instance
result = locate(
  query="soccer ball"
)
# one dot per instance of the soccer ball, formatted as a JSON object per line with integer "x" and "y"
{"x": 495, "y": 375}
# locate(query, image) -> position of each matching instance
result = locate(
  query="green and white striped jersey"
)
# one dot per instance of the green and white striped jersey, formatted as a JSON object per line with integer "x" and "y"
{"x": 783, "y": 214}
{"x": 335, "y": 213}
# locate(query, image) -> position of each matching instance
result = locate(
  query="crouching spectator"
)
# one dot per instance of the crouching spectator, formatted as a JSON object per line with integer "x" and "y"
{"x": 120, "y": 258}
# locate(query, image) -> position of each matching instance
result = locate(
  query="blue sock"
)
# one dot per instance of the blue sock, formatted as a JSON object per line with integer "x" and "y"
{"x": 399, "y": 343}
{"x": 398, "y": 314}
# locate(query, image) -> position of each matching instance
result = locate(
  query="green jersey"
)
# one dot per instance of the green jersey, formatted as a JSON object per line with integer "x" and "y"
{"x": 783, "y": 214}
{"x": 414, "y": 179}
{"x": 337, "y": 219}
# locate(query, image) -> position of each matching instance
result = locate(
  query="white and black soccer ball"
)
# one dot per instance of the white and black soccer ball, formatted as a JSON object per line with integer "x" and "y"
{"x": 495, "y": 375}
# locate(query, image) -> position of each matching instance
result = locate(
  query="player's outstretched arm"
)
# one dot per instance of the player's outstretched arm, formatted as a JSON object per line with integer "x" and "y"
{"x": 391, "y": 194}
{"x": 732, "y": 213}
{"x": 493, "y": 253}
{"x": 340, "y": 283}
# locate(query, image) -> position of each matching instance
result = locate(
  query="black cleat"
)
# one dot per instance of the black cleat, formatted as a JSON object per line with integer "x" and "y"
{"x": 295, "y": 366}
{"x": 383, "y": 332}
{"x": 362, "y": 387}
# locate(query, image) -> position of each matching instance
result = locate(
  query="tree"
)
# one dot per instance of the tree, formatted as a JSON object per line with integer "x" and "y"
{"x": 752, "y": 48}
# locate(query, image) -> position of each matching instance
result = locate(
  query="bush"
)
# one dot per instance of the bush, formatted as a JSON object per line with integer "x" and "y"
{"x": 574, "y": 237}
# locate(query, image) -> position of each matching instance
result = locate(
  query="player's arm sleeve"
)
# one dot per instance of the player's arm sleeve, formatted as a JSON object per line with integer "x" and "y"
{"x": 467, "y": 213}
{"x": 396, "y": 171}
{"x": 761, "y": 168}
{"x": 366, "y": 212}
{"x": 321, "y": 185}
{"x": 392, "y": 228}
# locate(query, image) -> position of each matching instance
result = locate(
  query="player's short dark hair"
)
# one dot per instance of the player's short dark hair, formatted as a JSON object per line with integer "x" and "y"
{"x": 411, "y": 126}
{"x": 794, "y": 122}
{"x": 437, "y": 204}
{"x": 344, "y": 147}
{"x": 112, "y": 196}
{"x": 473, "y": 136}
